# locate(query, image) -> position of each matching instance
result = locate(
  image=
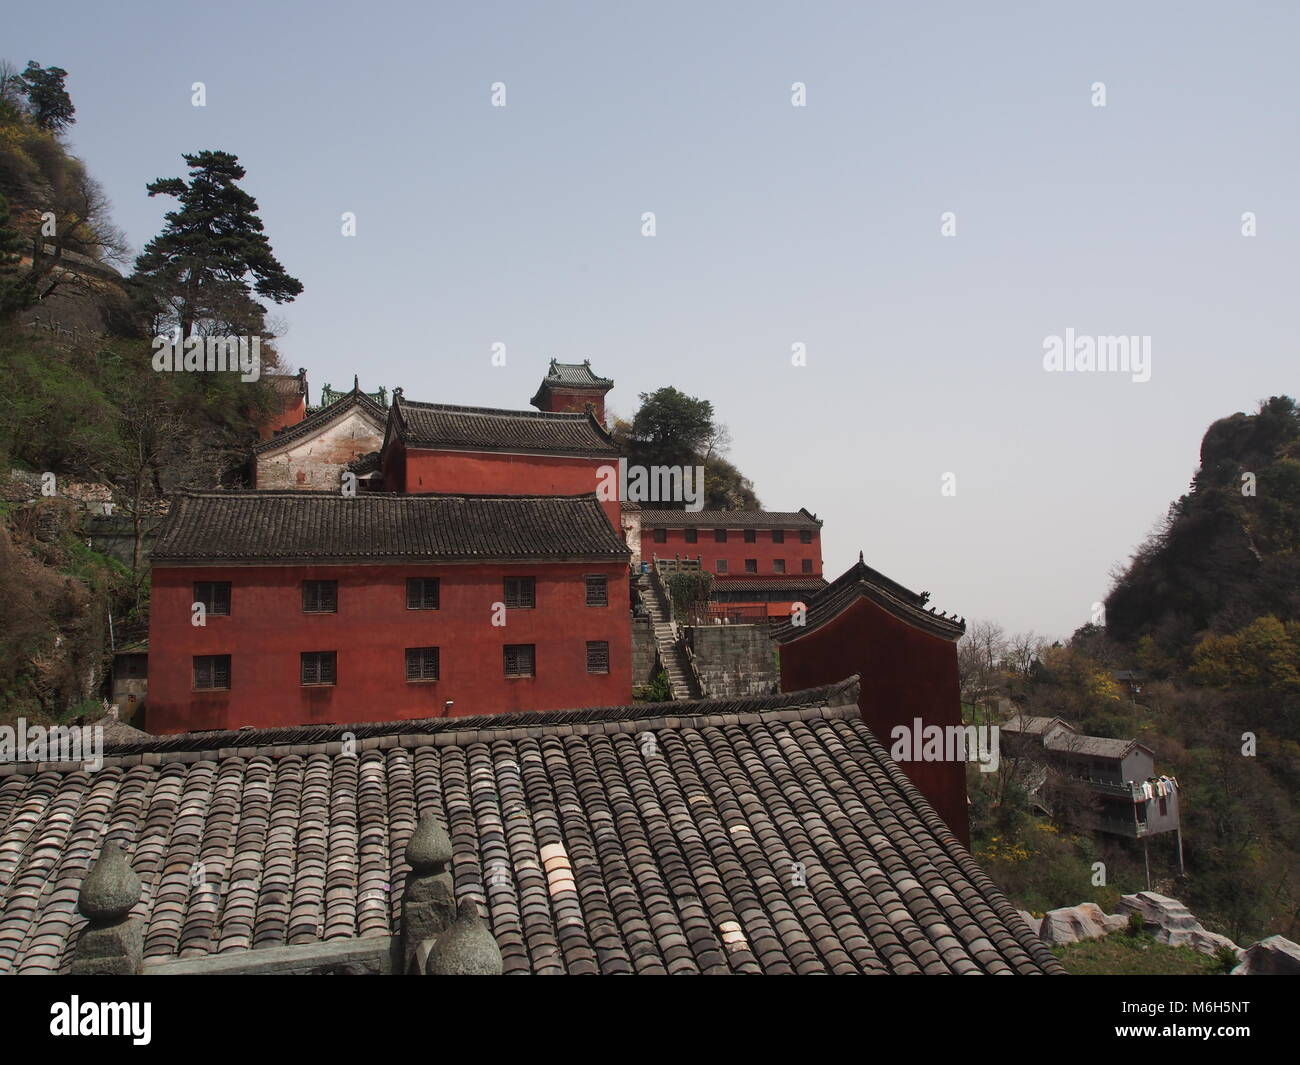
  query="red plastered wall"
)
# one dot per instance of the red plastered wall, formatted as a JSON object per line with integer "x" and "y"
{"x": 267, "y": 630}
{"x": 735, "y": 551}
{"x": 493, "y": 473}
{"x": 906, "y": 674}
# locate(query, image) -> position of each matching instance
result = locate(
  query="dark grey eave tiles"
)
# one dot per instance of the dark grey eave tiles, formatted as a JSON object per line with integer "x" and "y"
{"x": 261, "y": 527}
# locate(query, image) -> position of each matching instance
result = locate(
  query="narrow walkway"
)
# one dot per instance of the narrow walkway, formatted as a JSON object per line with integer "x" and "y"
{"x": 672, "y": 649}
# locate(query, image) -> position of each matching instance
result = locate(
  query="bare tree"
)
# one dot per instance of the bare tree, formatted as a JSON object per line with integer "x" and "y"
{"x": 151, "y": 432}
{"x": 11, "y": 84}
{"x": 979, "y": 657}
{"x": 70, "y": 248}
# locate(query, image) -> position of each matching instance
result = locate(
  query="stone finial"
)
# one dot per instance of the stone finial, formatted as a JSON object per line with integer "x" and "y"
{"x": 112, "y": 944}
{"x": 429, "y": 898}
{"x": 429, "y": 849}
{"x": 111, "y": 888}
{"x": 861, "y": 560}
{"x": 356, "y": 382}
{"x": 467, "y": 948}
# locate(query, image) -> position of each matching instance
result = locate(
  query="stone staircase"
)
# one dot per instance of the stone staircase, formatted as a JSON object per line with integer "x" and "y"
{"x": 672, "y": 647}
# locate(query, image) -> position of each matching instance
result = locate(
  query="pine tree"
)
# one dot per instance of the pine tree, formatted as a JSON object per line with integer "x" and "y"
{"x": 197, "y": 269}
{"x": 49, "y": 103}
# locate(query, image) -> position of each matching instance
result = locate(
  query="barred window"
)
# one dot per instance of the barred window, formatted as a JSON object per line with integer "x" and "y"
{"x": 751, "y": 565}
{"x": 722, "y": 565}
{"x": 214, "y": 595}
{"x": 751, "y": 536}
{"x": 661, "y": 536}
{"x": 319, "y": 667}
{"x": 520, "y": 659}
{"x": 421, "y": 663}
{"x": 211, "y": 671}
{"x": 719, "y": 536}
{"x": 521, "y": 593}
{"x": 422, "y": 593}
{"x": 805, "y": 536}
{"x": 597, "y": 591}
{"x": 778, "y": 565}
{"x": 320, "y": 597}
{"x": 807, "y": 565}
{"x": 778, "y": 536}
{"x": 692, "y": 536}
{"x": 597, "y": 656}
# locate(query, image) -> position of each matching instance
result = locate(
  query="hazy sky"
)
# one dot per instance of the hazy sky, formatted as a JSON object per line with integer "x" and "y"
{"x": 776, "y": 225}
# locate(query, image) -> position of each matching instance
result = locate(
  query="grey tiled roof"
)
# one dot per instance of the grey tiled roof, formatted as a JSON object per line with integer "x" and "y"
{"x": 287, "y": 384}
{"x": 575, "y": 375}
{"x": 1029, "y": 725}
{"x": 439, "y": 425}
{"x": 728, "y": 519}
{"x": 860, "y": 581}
{"x": 301, "y": 526}
{"x": 1094, "y": 746}
{"x": 639, "y": 839}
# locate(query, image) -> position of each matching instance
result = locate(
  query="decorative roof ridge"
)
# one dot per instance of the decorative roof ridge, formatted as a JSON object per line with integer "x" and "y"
{"x": 860, "y": 580}
{"x": 317, "y": 418}
{"x": 835, "y": 701}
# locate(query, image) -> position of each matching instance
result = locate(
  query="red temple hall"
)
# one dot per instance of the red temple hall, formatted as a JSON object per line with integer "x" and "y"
{"x": 294, "y": 607}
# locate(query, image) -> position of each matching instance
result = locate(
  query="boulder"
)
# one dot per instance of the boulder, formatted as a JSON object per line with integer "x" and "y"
{"x": 1273, "y": 956}
{"x": 1174, "y": 921}
{"x": 1211, "y": 943}
{"x": 1070, "y": 924}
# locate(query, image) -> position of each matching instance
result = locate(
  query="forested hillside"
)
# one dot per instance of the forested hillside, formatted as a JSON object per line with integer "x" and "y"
{"x": 83, "y": 408}
{"x": 1208, "y": 609}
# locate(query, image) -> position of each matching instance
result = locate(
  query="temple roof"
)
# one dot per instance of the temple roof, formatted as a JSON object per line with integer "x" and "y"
{"x": 728, "y": 519}
{"x": 269, "y": 527}
{"x": 575, "y": 375}
{"x": 860, "y": 581}
{"x": 321, "y": 417}
{"x": 441, "y": 425}
{"x": 288, "y": 385}
{"x": 764, "y": 835}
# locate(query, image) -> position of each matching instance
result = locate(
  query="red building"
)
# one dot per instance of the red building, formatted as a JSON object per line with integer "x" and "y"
{"x": 571, "y": 386}
{"x": 765, "y": 559}
{"x": 437, "y": 447}
{"x": 906, "y": 655}
{"x": 317, "y": 607}
{"x": 291, "y": 403}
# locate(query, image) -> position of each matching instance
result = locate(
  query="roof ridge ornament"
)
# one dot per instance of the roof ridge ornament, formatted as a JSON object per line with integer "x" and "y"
{"x": 112, "y": 943}
{"x": 467, "y": 948}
